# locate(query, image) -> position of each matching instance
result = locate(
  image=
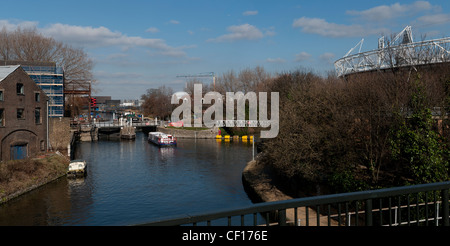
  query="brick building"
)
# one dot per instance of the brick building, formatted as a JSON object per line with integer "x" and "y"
{"x": 23, "y": 115}
{"x": 50, "y": 78}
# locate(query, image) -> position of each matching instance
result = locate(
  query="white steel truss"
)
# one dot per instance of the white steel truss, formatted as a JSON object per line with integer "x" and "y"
{"x": 395, "y": 54}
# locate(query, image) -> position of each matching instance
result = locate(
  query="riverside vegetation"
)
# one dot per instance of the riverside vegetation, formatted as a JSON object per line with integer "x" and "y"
{"x": 365, "y": 131}
{"x": 19, "y": 176}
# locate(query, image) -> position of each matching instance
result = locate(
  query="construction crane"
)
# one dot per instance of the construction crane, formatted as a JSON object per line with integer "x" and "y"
{"x": 201, "y": 75}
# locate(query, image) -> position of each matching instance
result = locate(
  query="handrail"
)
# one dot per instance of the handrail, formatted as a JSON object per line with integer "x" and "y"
{"x": 364, "y": 197}
{"x": 112, "y": 124}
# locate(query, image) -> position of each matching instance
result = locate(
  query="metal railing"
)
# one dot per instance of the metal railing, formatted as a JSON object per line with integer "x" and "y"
{"x": 120, "y": 124}
{"x": 110, "y": 124}
{"x": 426, "y": 204}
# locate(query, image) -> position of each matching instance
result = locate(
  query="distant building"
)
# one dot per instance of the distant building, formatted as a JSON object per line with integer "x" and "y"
{"x": 51, "y": 80}
{"x": 130, "y": 103}
{"x": 102, "y": 99}
{"x": 23, "y": 115}
{"x": 113, "y": 104}
{"x": 101, "y": 102}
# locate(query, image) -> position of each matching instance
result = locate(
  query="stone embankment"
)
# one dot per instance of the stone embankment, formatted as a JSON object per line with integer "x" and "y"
{"x": 258, "y": 181}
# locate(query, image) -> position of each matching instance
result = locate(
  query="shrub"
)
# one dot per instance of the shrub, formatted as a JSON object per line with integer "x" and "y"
{"x": 368, "y": 130}
{"x": 415, "y": 145}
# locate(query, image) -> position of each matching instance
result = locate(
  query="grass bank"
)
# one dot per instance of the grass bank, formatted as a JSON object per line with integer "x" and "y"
{"x": 20, "y": 176}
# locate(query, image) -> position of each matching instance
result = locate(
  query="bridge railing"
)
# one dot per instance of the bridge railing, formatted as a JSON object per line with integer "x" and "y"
{"x": 426, "y": 204}
{"x": 118, "y": 124}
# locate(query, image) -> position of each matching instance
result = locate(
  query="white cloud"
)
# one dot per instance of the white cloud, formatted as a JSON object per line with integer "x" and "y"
{"x": 250, "y": 12}
{"x": 269, "y": 31}
{"x": 14, "y": 24}
{"x": 172, "y": 53}
{"x": 175, "y": 22}
{"x": 327, "y": 29}
{"x": 385, "y": 12}
{"x": 94, "y": 37}
{"x": 302, "y": 56}
{"x": 434, "y": 19}
{"x": 242, "y": 32}
{"x": 87, "y": 36}
{"x": 327, "y": 57}
{"x": 152, "y": 30}
{"x": 371, "y": 21}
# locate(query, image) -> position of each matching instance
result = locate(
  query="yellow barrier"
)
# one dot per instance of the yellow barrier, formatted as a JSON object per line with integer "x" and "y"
{"x": 228, "y": 138}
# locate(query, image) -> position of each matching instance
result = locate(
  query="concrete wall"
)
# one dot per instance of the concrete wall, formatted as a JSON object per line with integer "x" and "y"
{"x": 59, "y": 133}
{"x": 181, "y": 133}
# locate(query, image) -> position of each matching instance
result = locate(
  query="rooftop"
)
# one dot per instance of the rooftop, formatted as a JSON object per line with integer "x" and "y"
{"x": 7, "y": 70}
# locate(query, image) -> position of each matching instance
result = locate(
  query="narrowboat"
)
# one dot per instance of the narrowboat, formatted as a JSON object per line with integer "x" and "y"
{"x": 162, "y": 139}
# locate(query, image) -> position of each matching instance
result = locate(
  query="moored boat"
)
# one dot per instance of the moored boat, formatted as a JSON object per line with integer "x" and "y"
{"x": 162, "y": 139}
{"x": 77, "y": 168}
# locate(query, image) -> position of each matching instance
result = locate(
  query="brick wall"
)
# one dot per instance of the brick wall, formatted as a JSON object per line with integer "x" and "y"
{"x": 22, "y": 131}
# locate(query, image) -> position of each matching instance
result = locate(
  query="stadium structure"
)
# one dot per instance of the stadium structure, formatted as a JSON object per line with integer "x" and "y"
{"x": 400, "y": 51}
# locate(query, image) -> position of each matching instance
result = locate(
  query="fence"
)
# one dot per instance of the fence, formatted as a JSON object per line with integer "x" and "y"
{"x": 426, "y": 204}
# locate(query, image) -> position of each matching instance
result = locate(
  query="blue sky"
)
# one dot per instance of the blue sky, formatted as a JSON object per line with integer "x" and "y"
{"x": 137, "y": 45}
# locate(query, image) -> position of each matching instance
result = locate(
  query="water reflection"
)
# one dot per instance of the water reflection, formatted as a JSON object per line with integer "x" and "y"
{"x": 131, "y": 182}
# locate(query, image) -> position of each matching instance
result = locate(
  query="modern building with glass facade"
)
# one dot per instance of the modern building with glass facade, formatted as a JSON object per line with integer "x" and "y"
{"x": 50, "y": 79}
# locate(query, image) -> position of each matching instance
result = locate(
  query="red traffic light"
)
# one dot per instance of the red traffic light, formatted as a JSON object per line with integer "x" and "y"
{"x": 93, "y": 102}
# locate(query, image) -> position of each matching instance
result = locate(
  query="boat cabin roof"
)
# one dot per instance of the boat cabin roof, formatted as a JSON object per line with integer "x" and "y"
{"x": 161, "y": 134}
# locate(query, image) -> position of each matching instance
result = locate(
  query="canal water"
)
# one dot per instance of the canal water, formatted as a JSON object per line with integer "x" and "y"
{"x": 133, "y": 182}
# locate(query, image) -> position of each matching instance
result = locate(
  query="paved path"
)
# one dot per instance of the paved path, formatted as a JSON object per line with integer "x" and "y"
{"x": 259, "y": 181}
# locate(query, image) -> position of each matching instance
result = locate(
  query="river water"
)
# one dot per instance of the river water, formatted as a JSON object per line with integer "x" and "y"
{"x": 133, "y": 182}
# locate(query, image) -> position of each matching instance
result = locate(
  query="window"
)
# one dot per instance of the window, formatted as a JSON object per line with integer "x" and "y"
{"x": 37, "y": 97}
{"x": 2, "y": 117}
{"x": 20, "y": 114}
{"x": 37, "y": 116}
{"x": 20, "y": 90}
{"x": 1, "y": 95}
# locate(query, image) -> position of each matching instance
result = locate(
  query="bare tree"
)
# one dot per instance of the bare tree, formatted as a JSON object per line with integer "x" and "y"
{"x": 30, "y": 45}
{"x": 190, "y": 87}
{"x": 246, "y": 80}
{"x": 227, "y": 82}
{"x": 157, "y": 102}
{"x": 5, "y": 44}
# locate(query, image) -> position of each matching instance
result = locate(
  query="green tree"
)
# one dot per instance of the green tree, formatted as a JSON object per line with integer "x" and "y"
{"x": 417, "y": 148}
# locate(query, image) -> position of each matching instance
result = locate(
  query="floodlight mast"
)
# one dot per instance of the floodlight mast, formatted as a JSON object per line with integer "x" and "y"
{"x": 360, "y": 43}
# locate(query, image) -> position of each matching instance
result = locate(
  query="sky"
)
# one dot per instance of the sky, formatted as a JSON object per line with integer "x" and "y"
{"x": 138, "y": 45}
